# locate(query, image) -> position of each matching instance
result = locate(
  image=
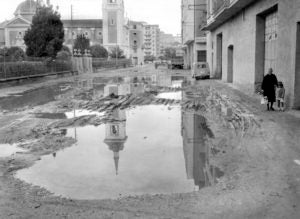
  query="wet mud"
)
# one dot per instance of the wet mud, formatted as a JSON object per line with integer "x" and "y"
{"x": 220, "y": 147}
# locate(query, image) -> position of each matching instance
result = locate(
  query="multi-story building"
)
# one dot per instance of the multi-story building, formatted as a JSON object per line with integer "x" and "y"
{"x": 151, "y": 40}
{"x": 166, "y": 40}
{"x": 193, "y": 19}
{"x": 246, "y": 38}
{"x": 91, "y": 29}
{"x": 136, "y": 36}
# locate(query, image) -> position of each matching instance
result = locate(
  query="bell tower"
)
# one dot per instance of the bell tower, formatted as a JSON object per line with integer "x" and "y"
{"x": 113, "y": 23}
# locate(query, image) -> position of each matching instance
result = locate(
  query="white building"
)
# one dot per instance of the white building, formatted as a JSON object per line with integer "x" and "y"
{"x": 193, "y": 19}
{"x": 151, "y": 40}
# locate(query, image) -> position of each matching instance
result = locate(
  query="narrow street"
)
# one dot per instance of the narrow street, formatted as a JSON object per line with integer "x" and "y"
{"x": 145, "y": 143}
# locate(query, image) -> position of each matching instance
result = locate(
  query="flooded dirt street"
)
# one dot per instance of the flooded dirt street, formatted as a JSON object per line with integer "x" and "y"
{"x": 145, "y": 143}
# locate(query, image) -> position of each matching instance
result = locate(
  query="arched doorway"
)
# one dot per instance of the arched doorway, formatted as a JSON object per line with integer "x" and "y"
{"x": 230, "y": 64}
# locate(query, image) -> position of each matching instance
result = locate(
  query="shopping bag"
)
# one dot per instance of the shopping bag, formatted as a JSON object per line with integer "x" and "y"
{"x": 263, "y": 100}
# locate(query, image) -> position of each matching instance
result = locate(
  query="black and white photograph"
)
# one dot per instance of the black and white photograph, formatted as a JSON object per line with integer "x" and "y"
{"x": 150, "y": 109}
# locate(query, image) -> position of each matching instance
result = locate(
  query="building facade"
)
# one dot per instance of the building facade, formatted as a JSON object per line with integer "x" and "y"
{"x": 91, "y": 29}
{"x": 167, "y": 40}
{"x": 12, "y": 32}
{"x": 246, "y": 38}
{"x": 193, "y": 19}
{"x": 151, "y": 40}
{"x": 115, "y": 26}
{"x": 136, "y": 36}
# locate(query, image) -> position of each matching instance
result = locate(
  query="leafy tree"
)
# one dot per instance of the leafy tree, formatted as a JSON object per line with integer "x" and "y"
{"x": 66, "y": 49}
{"x": 149, "y": 58}
{"x": 12, "y": 54}
{"x": 116, "y": 52}
{"x": 82, "y": 43}
{"x": 63, "y": 55}
{"x": 98, "y": 51}
{"x": 45, "y": 36}
{"x": 170, "y": 52}
{"x": 16, "y": 53}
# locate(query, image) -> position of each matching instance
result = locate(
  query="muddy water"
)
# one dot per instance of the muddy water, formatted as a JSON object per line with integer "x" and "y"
{"x": 170, "y": 95}
{"x": 145, "y": 150}
{"x": 31, "y": 98}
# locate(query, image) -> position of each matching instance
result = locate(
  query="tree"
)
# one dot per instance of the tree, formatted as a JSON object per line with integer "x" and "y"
{"x": 98, "y": 51}
{"x": 12, "y": 54}
{"x": 116, "y": 52}
{"x": 63, "y": 55}
{"x": 170, "y": 52}
{"x": 82, "y": 43}
{"x": 45, "y": 36}
{"x": 16, "y": 53}
{"x": 149, "y": 58}
{"x": 66, "y": 49}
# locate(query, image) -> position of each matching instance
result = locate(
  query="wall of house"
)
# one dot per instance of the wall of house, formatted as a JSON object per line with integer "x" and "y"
{"x": 241, "y": 33}
{"x": 288, "y": 70}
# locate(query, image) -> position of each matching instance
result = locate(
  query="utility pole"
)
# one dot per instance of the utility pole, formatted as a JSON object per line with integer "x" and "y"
{"x": 117, "y": 51}
{"x": 72, "y": 39}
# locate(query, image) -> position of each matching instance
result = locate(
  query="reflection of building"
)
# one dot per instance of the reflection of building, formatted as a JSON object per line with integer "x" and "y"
{"x": 124, "y": 89}
{"x": 115, "y": 134}
{"x": 196, "y": 150}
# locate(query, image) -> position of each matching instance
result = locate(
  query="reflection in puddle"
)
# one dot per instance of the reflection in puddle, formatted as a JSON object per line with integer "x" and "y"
{"x": 195, "y": 133}
{"x": 146, "y": 150}
{"x": 170, "y": 95}
{"x": 96, "y": 88}
{"x": 7, "y": 150}
{"x": 32, "y": 98}
{"x": 79, "y": 113}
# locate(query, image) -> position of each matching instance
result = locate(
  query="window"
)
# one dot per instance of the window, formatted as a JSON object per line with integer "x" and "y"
{"x": 134, "y": 34}
{"x": 112, "y": 22}
{"x": 100, "y": 33}
{"x": 201, "y": 56}
{"x": 134, "y": 27}
{"x": 111, "y": 1}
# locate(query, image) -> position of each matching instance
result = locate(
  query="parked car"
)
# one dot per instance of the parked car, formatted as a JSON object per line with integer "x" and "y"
{"x": 200, "y": 70}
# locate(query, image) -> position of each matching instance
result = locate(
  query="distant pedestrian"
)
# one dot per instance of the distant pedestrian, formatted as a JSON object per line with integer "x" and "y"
{"x": 280, "y": 93}
{"x": 269, "y": 85}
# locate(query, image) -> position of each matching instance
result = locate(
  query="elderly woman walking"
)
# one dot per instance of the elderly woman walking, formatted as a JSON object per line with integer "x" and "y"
{"x": 268, "y": 86}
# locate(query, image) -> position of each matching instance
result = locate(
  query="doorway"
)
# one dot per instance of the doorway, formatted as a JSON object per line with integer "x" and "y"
{"x": 271, "y": 35}
{"x": 297, "y": 73}
{"x": 219, "y": 56}
{"x": 230, "y": 64}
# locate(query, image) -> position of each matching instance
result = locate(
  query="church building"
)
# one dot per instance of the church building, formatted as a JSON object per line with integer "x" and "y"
{"x": 114, "y": 30}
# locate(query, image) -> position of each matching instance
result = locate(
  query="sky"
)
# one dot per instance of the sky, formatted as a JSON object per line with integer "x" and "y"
{"x": 165, "y": 13}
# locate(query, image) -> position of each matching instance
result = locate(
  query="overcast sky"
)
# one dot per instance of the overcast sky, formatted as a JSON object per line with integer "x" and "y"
{"x": 166, "y": 13}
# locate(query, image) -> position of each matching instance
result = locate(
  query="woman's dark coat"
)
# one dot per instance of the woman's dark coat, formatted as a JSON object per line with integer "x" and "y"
{"x": 268, "y": 86}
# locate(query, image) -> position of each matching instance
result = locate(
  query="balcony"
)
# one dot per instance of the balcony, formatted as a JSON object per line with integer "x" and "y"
{"x": 223, "y": 10}
{"x": 201, "y": 39}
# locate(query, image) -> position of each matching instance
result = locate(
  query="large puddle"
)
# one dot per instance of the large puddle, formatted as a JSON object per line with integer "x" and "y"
{"x": 33, "y": 97}
{"x": 145, "y": 150}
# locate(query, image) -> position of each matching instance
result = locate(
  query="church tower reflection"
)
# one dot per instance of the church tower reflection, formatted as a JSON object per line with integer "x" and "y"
{"x": 115, "y": 134}
{"x": 195, "y": 133}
